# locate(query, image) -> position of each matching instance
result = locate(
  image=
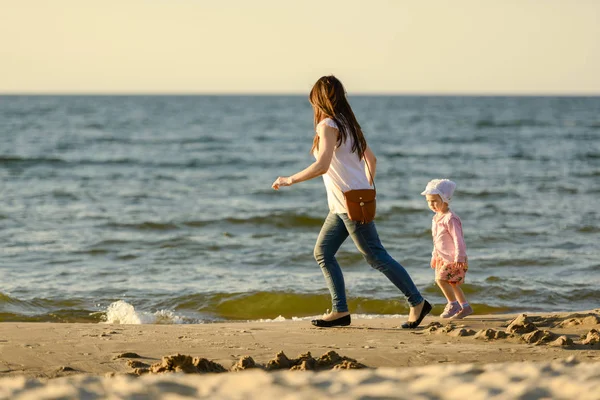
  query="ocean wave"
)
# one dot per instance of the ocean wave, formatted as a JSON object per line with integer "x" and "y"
{"x": 518, "y": 123}
{"x": 398, "y": 154}
{"x": 19, "y": 161}
{"x": 587, "y": 174}
{"x": 395, "y": 210}
{"x": 103, "y": 247}
{"x": 545, "y": 188}
{"x": 588, "y": 229}
{"x": 520, "y": 262}
{"x": 279, "y": 220}
{"x": 4, "y": 298}
{"x": 463, "y": 139}
{"x": 38, "y": 303}
{"x": 43, "y": 310}
{"x": 523, "y": 213}
{"x": 589, "y": 155}
{"x": 489, "y": 194}
{"x": 568, "y": 245}
{"x": 53, "y": 161}
{"x": 494, "y": 295}
{"x": 64, "y": 195}
{"x": 266, "y": 305}
{"x": 61, "y": 316}
{"x": 192, "y": 163}
{"x": 27, "y": 161}
{"x": 94, "y": 125}
{"x": 27, "y": 112}
{"x": 144, "y": 226}
{"x": 522, "y": 155}
{"x": 197, "y": 223}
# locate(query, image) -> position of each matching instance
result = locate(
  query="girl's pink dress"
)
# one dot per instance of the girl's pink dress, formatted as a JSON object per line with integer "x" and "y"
{"x": 448, "y": 248}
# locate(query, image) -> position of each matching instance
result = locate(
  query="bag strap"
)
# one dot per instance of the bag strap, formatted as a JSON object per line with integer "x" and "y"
{"x": 372, "y": 178}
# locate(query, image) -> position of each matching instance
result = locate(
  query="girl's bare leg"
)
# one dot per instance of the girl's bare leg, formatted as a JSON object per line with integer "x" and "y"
{"x": 448, "y": 290}
{"x": 458, "y": 293}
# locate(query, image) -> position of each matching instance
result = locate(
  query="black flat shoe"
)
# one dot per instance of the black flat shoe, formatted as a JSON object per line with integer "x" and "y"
{"x": 321, "y": 323}
{"x": 424, "y": 311}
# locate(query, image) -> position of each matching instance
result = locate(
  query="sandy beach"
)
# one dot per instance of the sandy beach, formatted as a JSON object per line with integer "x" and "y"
{"x": 372, "y": 357}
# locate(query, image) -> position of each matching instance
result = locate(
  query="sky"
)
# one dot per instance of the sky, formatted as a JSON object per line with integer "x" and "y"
{"x": 546, "y": 47}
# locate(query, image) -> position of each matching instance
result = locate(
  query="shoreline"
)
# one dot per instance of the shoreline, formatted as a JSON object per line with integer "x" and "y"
{"x": 77, "y": 355}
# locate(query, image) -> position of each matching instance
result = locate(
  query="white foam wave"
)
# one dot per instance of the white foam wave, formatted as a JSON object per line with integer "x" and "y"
{"x": 121, "y": 312}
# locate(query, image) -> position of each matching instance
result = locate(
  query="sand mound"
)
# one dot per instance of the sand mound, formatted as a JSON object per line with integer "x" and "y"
{"x": 279, "y": 362}
{"x": 539, "y": 337}
{"x": 562, "y": 341}
{"x": 305, "y": 362}
{"x": 520, "y": 325}
{"x": 462, "y": 332}
{"x": 186, "y": 364}
{"x": 592, "y": 338}
{"x": 490, "y": 334}
{"x": 450, "y": 329}
{"x": 244, "y": 363}
{"x": 433, "y": 327}
{"x": 580, "y": 319}
{"x": 567, "y": 321}
{"x": 194, "y": 365}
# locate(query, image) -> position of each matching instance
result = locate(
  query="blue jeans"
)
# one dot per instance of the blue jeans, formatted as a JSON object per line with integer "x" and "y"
{"x": 335, "y": 230}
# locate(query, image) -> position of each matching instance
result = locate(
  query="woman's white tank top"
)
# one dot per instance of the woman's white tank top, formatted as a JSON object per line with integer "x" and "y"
{"x": 346, "y": 172}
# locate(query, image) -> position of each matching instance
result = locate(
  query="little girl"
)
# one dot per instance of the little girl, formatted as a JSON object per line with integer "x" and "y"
{"x": 449, "y": 256}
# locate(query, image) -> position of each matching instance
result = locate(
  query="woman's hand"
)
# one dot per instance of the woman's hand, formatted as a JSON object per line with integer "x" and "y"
{"x": 282, "y": 181}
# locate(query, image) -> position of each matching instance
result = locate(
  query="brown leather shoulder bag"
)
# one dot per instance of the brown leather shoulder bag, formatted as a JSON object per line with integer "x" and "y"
{"x": 361, "y": 203}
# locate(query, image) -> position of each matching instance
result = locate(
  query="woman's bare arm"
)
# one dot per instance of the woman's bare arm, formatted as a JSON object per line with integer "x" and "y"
{"x": 327, "y": 141}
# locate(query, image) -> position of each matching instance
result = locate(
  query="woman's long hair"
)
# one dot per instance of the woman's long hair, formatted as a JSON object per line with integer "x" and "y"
{"x": 328, "y": 98}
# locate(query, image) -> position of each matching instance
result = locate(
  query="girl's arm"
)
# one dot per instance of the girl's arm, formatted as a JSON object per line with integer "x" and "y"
{"x": 370, "y": 164}
{"x": 434, "y": 256}
{"x": 460, "y": 249}
{"x": 327, "y": 141}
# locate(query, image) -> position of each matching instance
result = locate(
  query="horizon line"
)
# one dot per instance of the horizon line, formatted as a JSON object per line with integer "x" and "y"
{"x": 294, "y": 94}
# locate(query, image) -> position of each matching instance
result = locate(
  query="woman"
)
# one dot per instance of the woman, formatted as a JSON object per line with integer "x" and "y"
{"x": 344, "y": 159}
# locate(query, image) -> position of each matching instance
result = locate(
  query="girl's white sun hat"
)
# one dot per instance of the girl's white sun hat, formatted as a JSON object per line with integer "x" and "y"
{"x": 443, "y": 187}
